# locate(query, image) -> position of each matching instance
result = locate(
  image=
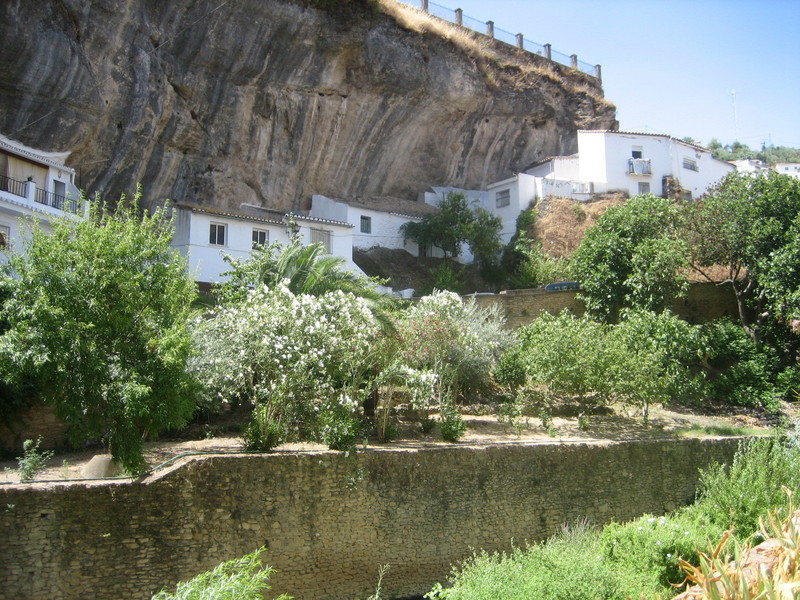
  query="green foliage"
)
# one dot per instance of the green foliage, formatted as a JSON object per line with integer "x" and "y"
{"x": 770, "y": 155}
{"x": 242, "y": 578}
{"x": 452, "y": 425}
{"x": 646, "y": 358}
{"x": 33, "y": 460}
{"x": 741, "y": 373}
{"x": 639, "y": 558}
{"x": 632, "y": 257}
{"x": 751, "y": 225}
{"x": 647, "y": 550}
{"x": 455, "y": 224}
{"x": 736, "y": 495}
{"x": 459, "y": 342}
{"x": 304, "y": 362}
{"x": 97, "y": 316}
{"x": 445, "y": 278}
{"x": 534, "y": 267}
{"x": 567, "y": 566}
{"x": 303, "y": 270}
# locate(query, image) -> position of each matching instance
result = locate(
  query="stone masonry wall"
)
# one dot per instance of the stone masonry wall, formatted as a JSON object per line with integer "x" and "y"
{"x": 703, "y": 302}
{"x": 327, "y": 521}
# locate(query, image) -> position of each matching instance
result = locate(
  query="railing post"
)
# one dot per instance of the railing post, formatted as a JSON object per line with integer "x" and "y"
{"x": 598, "y": 73}
{"x": 574, "y": 60}
{"x": 424, "y": 5}
{"x": 520, "y": 41}
{"x": 459, "y": 17}
{"x": 30, "y": 190}
{"x": 490, "y": 29}
{"x": 548, "y": 51}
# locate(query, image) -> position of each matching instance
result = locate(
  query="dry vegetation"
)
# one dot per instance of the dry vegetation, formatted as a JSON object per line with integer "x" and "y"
{"x": 497, "y": 61}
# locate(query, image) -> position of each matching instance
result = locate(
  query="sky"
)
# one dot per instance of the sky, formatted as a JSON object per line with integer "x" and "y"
{"x": 724, "y": 69}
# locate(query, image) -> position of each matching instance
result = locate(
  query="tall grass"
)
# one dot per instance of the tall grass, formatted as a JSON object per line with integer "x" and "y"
{"x": 646, "y": 557}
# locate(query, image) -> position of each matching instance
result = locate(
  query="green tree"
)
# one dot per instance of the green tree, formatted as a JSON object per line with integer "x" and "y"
{"x": 97, "y": 318}
{"x": 632, "y": 258}
{"x": 457, "y": 224}
{"x": 751, "y": 225}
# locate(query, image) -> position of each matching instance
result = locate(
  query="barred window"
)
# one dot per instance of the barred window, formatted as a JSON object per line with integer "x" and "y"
{"x": 321, "y": 236}
{"x": 503, "y": 198}
{"x": 366, "y": 224}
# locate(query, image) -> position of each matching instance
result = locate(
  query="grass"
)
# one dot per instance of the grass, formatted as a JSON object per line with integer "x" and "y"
{"x": 718, "y": 430}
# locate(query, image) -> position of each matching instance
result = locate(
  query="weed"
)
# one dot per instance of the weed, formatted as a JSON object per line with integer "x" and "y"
{"x": 33, "y": 460}
{"x": 381, "y": 572}
{"x": 65, "y": 469}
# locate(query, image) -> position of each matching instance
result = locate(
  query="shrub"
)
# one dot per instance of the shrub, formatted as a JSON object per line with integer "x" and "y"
{"x": 741, "y": 373}
{"x": 452, "y": 425}
{"x": 33, "y": 460}
{"x": 305, "y": 362}
{"x": 242, "y": 578}
{"x": 736, "y": 495}
{"x": 458, "y": 341}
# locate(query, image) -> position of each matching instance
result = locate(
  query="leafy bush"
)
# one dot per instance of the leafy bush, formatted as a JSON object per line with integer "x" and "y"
{"x": 242, "y": 578}
{"x": 569, "y": 565}
{"x": 736, "y": 495}
{"x": 97, "y": 314}
{"x": 458, "y": 341}
{"x": 33, "y": 460}
{"x": 305, "y": 362}
{"x": 740, "y": 373}
{"x": 452, "y": 425}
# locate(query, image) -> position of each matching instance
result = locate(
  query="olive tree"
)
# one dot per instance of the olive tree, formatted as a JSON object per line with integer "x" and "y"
{"x": 97, "y": 315}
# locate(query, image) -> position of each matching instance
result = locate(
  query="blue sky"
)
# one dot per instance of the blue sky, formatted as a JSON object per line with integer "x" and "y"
{"x": 670, "y": 66}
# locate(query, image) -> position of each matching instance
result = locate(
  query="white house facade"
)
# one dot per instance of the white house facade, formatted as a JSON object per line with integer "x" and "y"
{"x": 631, "y": 163}
{"x": 34, "y": 185}
{"x": 790, "y": 169}
{"x": 204, "y": 235}
{"x": 375, "y": 223}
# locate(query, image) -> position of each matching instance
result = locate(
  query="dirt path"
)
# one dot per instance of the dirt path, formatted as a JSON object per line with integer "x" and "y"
{"x": 622, "y": 424}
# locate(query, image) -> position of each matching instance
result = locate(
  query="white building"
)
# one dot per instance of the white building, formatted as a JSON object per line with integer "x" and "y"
{"x": 375, "y": 223}
{"x": 204, "y": 235}
{"x": 33, "y": 185}
{"x": 632, "y": 163}
{"x": 790, "y": 169}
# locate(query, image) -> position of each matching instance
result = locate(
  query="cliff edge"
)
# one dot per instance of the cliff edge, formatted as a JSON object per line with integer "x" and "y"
{"x": 271, "y": 101}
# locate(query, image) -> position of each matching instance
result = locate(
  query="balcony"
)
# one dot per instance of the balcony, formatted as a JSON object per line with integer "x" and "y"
{"x": 639, "y": 166}
{"x": 26, "y": 193}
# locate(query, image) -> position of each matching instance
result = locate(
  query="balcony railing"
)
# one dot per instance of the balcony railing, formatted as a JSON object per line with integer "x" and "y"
{"x": 12, "y": 185}
{"x": 639, "y": 166}
{"x": 56, "y": 201}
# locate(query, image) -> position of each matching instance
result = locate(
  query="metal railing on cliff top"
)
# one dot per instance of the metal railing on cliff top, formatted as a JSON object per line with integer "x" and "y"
{"x": 488, "y": 29}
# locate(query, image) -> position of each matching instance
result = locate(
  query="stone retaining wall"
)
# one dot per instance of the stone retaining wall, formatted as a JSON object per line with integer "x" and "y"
{"x": 703, "y": 302}
{"x": 329, "y": 522}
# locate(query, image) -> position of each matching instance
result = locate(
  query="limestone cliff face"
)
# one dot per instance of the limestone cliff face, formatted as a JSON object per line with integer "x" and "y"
{"x": 269, "y": 101}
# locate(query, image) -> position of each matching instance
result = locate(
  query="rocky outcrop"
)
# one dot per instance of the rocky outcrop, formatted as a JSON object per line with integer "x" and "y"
{"x": 270, "y": 101}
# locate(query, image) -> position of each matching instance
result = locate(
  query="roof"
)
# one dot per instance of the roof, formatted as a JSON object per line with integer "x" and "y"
{"x": 661, "y": 135}
{"x": 270, "y": 216}
{"x": 394, "y": 206}
{"x": 52, "y": 159}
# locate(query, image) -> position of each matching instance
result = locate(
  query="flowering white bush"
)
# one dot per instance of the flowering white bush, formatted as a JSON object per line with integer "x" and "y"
{"x": 301, "y": 360}
{"x": 458, "y": 341}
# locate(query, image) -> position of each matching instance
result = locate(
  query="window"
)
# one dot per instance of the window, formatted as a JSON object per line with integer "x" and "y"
{"x": 5, "y": 236}
{"x": 503, "y": 198}
{"x": 216, "y": 236}
{"x": 644, "y": 187}
{"x": 690, "y": 164}
{"x": 260, "y": 237}
{"x": 637, "y": 152}
{"x": 321, "y": 236}
{"x": 366, "y": 224}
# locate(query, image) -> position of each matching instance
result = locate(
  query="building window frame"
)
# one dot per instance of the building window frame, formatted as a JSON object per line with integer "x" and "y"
{"x": 217, "y": 234}
{"x": 366, "y": 224}
{"x": 322, "y": 236}
{"x": 691, "y": 164}
{"x": 644, "y": 187}
{"x": 260, "y": 237}
{"x": 502, "y": 198}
